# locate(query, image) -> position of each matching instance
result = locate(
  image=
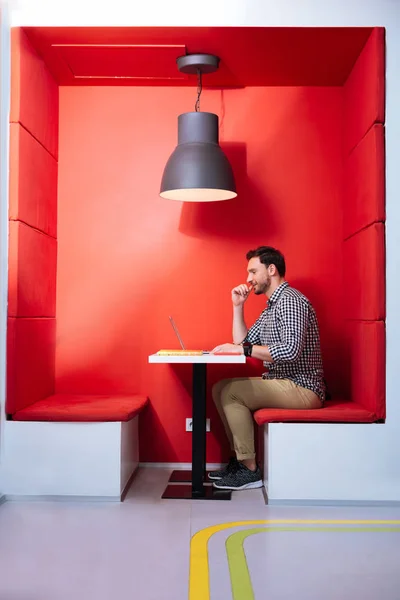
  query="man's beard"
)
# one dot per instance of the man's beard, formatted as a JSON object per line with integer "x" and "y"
{"x": 263, "y": 288}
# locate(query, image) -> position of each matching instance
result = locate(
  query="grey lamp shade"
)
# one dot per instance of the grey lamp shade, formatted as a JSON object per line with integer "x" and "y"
{"x": 198, "y": 170}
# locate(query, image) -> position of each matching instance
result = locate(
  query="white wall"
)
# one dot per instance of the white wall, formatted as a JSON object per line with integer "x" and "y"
{"x": 263, "y": 13}
{"x": 370, "y": 452}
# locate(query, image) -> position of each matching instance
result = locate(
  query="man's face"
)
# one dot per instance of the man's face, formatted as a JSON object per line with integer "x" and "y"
{"x": 259, "y": 276}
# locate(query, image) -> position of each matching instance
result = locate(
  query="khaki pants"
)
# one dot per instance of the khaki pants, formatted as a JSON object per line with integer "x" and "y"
{"x": 235, "y": 400}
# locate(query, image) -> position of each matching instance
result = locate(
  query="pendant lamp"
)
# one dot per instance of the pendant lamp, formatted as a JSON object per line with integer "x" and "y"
{"x": 198, "y": 170}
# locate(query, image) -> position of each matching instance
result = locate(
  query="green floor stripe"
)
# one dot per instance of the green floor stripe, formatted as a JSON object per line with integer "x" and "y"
{"x": 238, "y": 569}
{"x": 242, "y": 588}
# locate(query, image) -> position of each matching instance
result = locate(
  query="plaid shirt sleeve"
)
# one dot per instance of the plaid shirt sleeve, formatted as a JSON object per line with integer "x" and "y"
{"x": 254, "y": 333}
{"x": 292, "y": 320}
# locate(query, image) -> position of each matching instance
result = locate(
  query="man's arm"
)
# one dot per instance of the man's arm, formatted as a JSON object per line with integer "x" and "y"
{"x": 240, "y": 332}
{"x": 240, "y": 293}
{"x": 239, "y": 329}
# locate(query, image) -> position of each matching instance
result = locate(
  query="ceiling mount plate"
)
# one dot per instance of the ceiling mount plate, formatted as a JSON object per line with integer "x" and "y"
{"x": 192, "y": 63}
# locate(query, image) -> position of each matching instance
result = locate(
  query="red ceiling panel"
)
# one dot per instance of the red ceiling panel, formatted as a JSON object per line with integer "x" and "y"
{"x": 250, "y": 56}
{"x": 122, "y": 60}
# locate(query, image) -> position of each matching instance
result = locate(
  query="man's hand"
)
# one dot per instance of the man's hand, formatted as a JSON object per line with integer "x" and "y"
{"x": 228, "y": 349}
{"x": 240, "y": 294}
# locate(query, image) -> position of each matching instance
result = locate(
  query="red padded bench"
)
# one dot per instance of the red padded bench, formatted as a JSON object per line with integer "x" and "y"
{"x": 366, "y": 347}
{"x": 85, "y": 408}
{"x": 333, "y": 411}
{"x": 73, "y": 445}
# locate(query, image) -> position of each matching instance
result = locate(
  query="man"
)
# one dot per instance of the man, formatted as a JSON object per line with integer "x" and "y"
{"x": 286, "y": 338}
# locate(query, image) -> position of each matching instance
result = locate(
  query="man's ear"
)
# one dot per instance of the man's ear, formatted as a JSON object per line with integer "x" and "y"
{"x": 272, "y": 270}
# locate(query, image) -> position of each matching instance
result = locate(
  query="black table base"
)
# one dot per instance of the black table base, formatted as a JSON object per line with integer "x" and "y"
{"x": 185, "y": 476}
{"x": 185, "y": 492}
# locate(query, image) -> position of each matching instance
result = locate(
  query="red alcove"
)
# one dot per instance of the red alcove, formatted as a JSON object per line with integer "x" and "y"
{"x": 98, "y": 260}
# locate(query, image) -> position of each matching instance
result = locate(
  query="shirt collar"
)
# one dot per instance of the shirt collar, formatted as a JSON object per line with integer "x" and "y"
{"x": 277, "y": 293}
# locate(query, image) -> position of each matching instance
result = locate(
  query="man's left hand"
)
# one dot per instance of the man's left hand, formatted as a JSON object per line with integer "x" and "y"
{"x": 228, "y": 348}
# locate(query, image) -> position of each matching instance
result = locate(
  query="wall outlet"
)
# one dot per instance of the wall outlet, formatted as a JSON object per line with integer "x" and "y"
{"x": 189, "y": 424}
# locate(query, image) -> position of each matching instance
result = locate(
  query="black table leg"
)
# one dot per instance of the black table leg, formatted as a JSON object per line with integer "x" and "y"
{"x": 199, "y": 428}
{"x": 197, "y": 489}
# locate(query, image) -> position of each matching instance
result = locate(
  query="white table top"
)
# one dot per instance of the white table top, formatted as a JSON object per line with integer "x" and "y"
{"x": 204, "y": 358}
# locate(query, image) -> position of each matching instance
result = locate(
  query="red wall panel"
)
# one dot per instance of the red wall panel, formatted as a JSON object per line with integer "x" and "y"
{"x": 364, "y": 91}
{"x": 31, "y": 273}
{"x": 364, "y": 201}
{"x": 33, "y": 182}
{"x": 34, "y": 93}
{"x": 30, "y": 361}
{"x": 367, "y": 364}
{"x": 127, "y": 258}
{"x": 364, "y": 269}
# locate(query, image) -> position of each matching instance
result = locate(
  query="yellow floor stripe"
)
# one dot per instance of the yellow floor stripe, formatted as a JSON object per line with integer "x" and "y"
{"x": 199, "y": 577}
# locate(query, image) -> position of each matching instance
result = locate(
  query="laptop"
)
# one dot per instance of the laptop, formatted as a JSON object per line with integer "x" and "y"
{"x": 183, "y": 351}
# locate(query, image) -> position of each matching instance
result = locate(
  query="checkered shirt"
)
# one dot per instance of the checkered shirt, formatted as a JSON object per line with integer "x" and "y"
{"x": 289, "y": 327}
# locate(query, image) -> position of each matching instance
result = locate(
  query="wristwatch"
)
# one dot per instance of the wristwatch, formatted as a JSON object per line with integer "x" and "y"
{"x": 247, "y": 348}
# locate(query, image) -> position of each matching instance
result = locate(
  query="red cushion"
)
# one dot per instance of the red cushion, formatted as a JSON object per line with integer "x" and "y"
{"x": 33, "y": 182}
{"x": 32, "y": 272}
{"x": 365, "y": 183}
{"x": 76, "y": 407}
{"x": 30, "y": 361}
{"x": 364, "y": 91}
{"x": 367, "y": 364}
{"x": 34, "y": 93}
{"x": 364, "y": 274}
{"x": 333, "y": 411}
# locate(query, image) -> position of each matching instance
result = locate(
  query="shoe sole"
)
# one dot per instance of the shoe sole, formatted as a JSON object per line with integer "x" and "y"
{"x": 247, "y": 486}
{"x": 215, "y": 477}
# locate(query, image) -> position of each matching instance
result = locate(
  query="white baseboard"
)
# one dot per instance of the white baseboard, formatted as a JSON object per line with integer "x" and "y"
{"x": 179, "y": 466}
{"x": 59, "y": 498}
{"x": 336, "y": 503}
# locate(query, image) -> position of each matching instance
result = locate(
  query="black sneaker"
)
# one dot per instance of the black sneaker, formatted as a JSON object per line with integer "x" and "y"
{"x": 230, "y": 468}
{"x": 240, "y": 479}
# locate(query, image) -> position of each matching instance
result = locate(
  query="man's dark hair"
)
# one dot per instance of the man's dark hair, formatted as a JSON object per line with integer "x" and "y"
{"x": 269, "y": 256}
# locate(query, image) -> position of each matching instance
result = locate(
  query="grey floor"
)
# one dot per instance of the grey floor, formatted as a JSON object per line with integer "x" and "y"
{"x": 141, "y": 549}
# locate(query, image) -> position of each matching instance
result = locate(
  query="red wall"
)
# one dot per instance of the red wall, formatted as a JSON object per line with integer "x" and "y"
{"x": 127, "y": 258}
{"x": 32, "y": 227}
{"x": 364, "y": 225}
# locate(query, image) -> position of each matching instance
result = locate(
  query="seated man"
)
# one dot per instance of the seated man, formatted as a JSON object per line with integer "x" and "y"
{"x": 286, "y": 338}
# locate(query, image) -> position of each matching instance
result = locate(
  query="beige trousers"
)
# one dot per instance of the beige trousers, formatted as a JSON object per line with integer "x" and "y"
{"x": 235, "y": 400}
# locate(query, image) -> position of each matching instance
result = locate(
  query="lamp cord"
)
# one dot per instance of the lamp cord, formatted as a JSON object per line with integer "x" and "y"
{"x": 199, "y": 90}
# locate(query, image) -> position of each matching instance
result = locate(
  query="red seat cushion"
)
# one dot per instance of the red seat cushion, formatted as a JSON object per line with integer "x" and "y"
{"x": 333, "y": 411}
{"x": 77, "y": 407}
